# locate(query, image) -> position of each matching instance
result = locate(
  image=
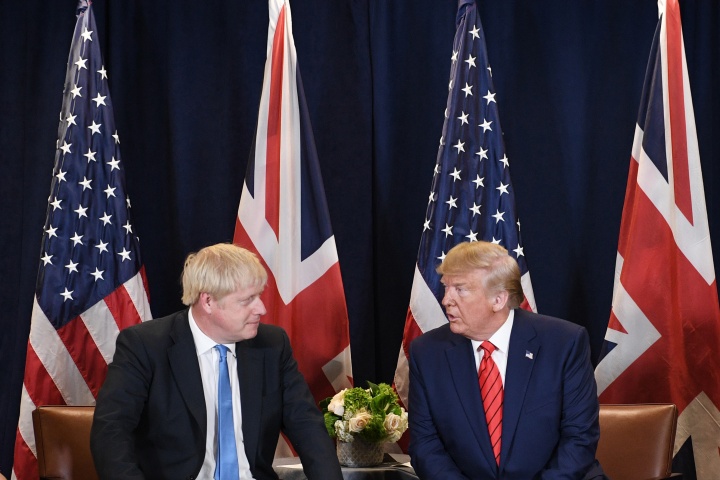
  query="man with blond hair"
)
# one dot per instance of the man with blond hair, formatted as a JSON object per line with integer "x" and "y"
{"x": 499, "y": 392}
{"x": 205, "y": 392}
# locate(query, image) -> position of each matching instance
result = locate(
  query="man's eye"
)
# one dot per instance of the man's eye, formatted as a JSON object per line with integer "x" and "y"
{"x": 248, "y": 301}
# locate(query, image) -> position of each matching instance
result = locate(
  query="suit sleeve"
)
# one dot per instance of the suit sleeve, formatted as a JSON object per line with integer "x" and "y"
{"x": 303, "y": 423}
{"x": 579, "y": 427}
{"x": 429, "y": 457}
{"x": 118, "y": 409}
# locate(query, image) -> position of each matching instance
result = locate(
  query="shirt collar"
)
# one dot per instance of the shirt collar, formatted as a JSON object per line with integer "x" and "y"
{"x": 203, "y": 343}
{"x": 501, "y": 338}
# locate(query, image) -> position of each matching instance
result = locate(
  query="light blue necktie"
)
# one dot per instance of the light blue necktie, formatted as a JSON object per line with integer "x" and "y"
{"x": 226, "y": 466}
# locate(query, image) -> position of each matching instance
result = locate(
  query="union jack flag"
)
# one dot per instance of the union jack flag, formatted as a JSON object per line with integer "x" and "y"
{"x": 471, "y": 197}
{"x": 91, "y": 281}
{"x": 283, "y": 216}
{"x": 663, "y": 334}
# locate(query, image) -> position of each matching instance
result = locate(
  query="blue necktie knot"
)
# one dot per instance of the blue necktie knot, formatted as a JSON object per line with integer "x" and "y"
{"x": 222, "y": 350}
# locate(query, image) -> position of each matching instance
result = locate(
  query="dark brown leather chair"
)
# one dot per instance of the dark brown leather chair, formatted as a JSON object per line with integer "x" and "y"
{"x": 636, "y": 441}
{"x": 62, "y": 438}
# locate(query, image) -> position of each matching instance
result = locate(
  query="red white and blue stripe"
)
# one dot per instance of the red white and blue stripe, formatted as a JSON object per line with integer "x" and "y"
{"x": 283, "y": 216}
{"x": 663, "y": 334}
{"x": 471, "y": 197}
{"x": 91, "y": 281}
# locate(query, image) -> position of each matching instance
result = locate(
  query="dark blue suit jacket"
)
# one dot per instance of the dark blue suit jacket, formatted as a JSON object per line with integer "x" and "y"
{"x": 550, "y": 414}
{"x": 150, "y": 418}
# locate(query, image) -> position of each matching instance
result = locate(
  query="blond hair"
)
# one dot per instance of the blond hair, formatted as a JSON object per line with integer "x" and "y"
{"x": 220, "y": 270}
{"x": 502, "y": 272}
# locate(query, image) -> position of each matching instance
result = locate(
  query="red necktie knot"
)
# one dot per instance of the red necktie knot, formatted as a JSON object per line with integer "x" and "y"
{"x": 488, "y": 347}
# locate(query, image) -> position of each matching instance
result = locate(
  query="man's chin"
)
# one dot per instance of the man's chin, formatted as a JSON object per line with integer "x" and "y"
{"x": 249, "y": 331}
{"x": 455, "y": 326}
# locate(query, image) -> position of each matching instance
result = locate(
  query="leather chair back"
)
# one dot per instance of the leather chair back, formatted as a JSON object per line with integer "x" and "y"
{"x": 62, "y": 438}
{"x": 636, "y": 441}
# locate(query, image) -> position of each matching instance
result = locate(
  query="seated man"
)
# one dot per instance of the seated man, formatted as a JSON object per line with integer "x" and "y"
{"x": 204, "y": 393}
{"x": 498, "y": 392}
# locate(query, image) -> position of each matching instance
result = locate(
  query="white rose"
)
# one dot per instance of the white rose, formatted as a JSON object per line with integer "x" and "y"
{"x": 337, "y": 404}
{"x": 394, "y": 436}
{"x": 359, "y": 421}
{"x": 392, "y": 422}
{"x": 396, "y": 423}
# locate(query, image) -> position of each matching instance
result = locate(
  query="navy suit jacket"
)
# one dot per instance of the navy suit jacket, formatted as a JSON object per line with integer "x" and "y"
{"x": 550, "y": 413}
{"x": 150, "y": 417}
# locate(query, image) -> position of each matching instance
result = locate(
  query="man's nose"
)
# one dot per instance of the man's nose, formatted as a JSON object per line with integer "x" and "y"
{"x": 260, "y": 307}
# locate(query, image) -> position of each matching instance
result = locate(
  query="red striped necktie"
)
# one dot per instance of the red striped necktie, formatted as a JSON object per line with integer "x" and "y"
{"x": 491, "y": 390}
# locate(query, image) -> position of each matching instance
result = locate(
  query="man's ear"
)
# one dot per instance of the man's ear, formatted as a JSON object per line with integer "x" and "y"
{"x": 205, "y": 302}
{"x": 500, "y": 300}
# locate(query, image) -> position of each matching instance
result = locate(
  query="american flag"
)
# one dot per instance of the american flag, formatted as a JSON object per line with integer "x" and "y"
{"x": 663, "y": 334}
{"x": 472, "y": 196}
{"x": 90, "y": 282}
{"x": 283, "y": 216}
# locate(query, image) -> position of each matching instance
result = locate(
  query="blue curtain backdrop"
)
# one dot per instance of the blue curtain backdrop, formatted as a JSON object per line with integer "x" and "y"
{"x": 185, "y": 79}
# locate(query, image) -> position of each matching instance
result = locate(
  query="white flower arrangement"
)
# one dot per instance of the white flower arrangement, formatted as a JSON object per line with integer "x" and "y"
{"x": 372, "y": 414}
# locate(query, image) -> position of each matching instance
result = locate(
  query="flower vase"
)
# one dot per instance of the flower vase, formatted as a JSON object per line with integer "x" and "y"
{"x": 360, "y": 453}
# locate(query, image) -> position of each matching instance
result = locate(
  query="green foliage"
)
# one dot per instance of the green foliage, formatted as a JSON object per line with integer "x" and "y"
{"x": 374, "y": 431}
{"x": 356, "y": 398}
{"x": 330, "y": 420}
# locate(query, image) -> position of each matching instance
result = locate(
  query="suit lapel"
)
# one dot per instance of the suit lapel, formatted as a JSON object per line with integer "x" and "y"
{"x": 186, "y": 370}
{"x": 251, "y": 373}
{"x": 464, "y": 377}
{"x": 522, "y": 352}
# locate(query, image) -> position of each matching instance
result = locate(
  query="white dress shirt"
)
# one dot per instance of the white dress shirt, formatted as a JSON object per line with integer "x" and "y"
{"x": 208, "y": 358}
{"x": 501, "y": 340}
